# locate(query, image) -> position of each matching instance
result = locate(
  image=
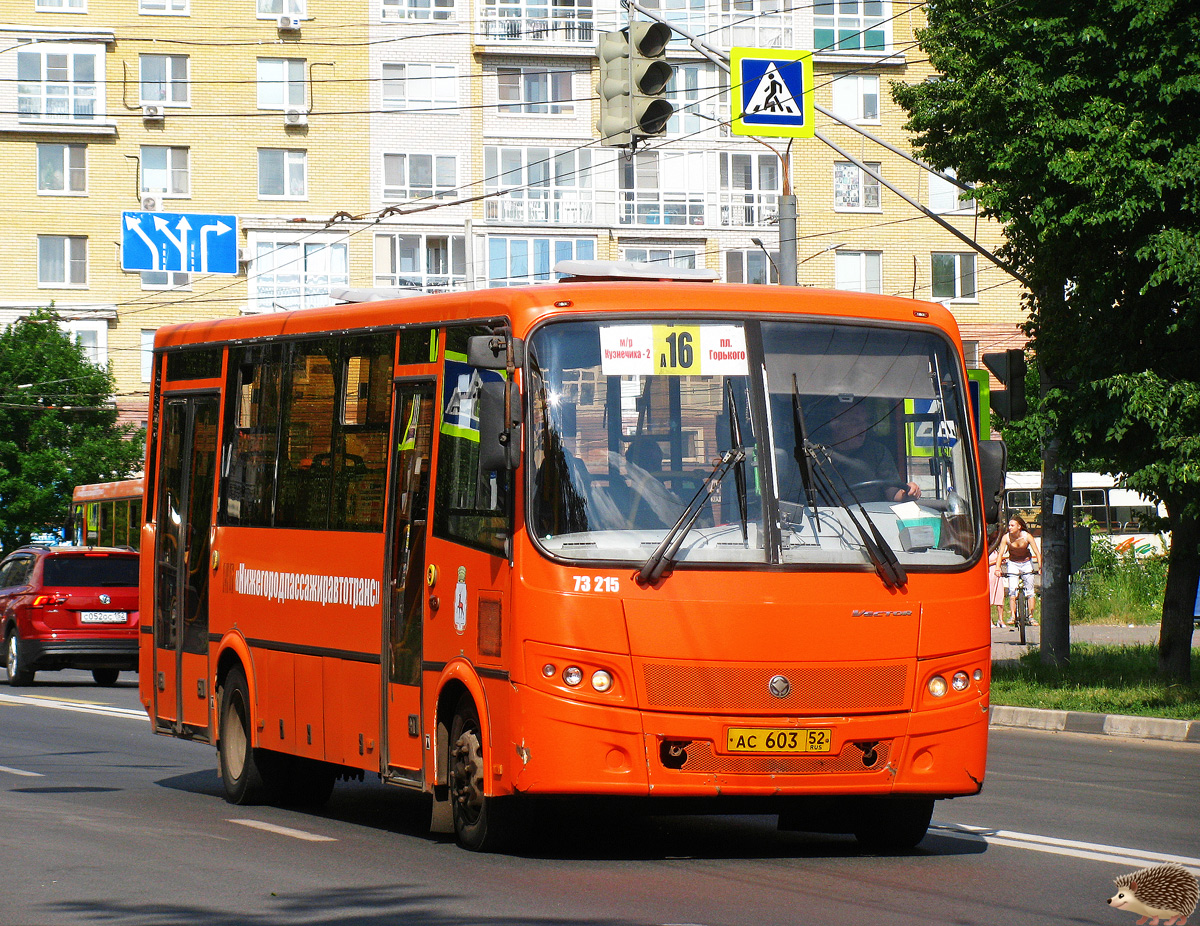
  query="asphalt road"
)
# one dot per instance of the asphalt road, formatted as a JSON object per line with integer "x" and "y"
{"x": 103, "y": 822}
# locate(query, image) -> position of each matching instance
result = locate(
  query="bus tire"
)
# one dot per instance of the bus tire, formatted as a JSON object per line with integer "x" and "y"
{"x": 892, "y": 824}
{"x": 18, "y": 674}
{"x": 241, "y": 774}
{"x": 479, "y": 821}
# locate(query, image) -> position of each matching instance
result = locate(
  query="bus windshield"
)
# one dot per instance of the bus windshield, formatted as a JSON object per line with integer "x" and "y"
{"x": 783, "y": 442}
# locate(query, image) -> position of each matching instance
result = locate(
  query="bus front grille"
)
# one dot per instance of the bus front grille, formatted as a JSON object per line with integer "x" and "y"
{"x": 748, "y": 690}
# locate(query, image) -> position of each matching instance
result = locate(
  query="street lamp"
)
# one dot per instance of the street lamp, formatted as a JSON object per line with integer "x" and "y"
{"x": 763, "y": 247}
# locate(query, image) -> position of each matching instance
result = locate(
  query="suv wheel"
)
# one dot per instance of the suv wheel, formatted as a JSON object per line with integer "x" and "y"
{"x": 17, "y": 673}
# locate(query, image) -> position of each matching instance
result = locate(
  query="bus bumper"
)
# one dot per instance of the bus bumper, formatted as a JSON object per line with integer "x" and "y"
{"x": 577, "y": 748}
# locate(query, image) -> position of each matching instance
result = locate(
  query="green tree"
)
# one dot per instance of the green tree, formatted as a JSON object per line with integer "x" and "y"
{"x": 1076, "y": 119}
{"x": 58, "y": 427}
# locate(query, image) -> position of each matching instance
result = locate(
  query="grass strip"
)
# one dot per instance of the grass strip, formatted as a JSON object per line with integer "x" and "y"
{"x": 1102, "y": 679}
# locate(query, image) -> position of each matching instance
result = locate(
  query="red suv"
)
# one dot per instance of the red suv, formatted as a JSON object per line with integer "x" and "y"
{"x": 69, "y": 608}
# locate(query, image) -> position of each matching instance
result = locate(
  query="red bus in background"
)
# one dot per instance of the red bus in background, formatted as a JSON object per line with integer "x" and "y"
{"x": 107, "y": 514}
{"x": 581, "y": 539}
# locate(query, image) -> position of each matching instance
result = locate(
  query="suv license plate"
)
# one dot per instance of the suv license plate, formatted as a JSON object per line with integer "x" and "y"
{"x": 103, "y": 617}
{"x": 766, "y": 740}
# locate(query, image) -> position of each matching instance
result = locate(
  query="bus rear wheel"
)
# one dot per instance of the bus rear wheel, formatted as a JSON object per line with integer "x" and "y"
{"x": 892, "y": 824}
{"x": 479, "y": 821}
{"x": 241, "y": 775}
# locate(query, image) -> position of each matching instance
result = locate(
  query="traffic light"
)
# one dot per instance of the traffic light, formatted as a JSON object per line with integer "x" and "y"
{"x": 633, "y": 83}
{"x": 1009, "y": 367}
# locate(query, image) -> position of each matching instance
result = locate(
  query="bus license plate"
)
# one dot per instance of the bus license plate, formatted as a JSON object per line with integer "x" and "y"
{"x": 103, "y": 617}
{"x": 765, "y": 740}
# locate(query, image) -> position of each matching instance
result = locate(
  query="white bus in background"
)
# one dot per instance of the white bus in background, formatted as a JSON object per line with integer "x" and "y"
{"x": 1125, "y": 517}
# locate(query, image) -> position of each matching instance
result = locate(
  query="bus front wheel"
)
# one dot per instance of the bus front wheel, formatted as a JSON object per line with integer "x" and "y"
{"x": 479, "y": 820}
{"x": 240, "y": 773}
{"x": 892, "y": 824}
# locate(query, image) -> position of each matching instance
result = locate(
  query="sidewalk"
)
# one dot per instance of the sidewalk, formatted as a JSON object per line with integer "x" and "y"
{"x": 1005, "y": 648}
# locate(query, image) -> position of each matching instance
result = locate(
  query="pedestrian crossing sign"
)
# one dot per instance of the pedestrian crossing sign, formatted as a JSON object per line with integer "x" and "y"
{"x": 772, "y": 92}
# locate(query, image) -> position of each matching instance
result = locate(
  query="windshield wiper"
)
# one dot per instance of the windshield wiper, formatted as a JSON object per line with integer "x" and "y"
{"x": 882, "y": 556}
{"x": 664, "y": 554}
{"x": 739, "y": 473}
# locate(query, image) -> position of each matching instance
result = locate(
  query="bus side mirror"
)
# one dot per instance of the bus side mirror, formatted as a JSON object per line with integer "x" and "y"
{"x": 993, "y": 466}
{"x": 499, "y": 440}
{"x": 487, "y": 351}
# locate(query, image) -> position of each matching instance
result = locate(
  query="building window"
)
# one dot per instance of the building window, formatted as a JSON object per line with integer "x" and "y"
{"x": 535, "y": 90}
{"x": 62, "y": 168}
{"x": 165, "y": 170}
{"x": 417, "y": 9}
{"x": 527, "y": 21}
{"x": 429, "y": 263}
{"x": 859, "y": 271}
{"x": 419, "y": 86}
{"x": 854, "y": 190}
{"x": 971, "y": 354}
{"x": 692, "y": 15}
{"x": 147, "y": 354}
{"x": 419, "y": 176}
{"x": 750, "y": 188}
{"x": 165, "y": 79}
{"x": 290, "y": 273}
{"x": 62, "y": 260}
{"x": 953, "y": 276}
{"x": 59, "y": 82}
{"x": 269, "y": 9}
{"x": 751, "y": 266}
{"x": 282, "y": 173}
{"x": 664, "y": 257}
{"x": 663, "y": 188}
{"x": 856, "y": 97}
{"x": 518, "y": 261}
{"x": 281, "y": 83}
{"x": 164, "y": 7}
{"x": 851, "y": 25}
{"x": 166, "y": 279}
{"x": 542, "y": 184}
{"x": 691, "y": 92}
{"x": 61, "y": 6}
{"x": 944, "y": 196}
{"x": 92, "y": 336}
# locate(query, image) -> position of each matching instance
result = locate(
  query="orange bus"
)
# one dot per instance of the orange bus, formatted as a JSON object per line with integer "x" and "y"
{"x": 602, "y": 538}
{"x": 107, "y": 514}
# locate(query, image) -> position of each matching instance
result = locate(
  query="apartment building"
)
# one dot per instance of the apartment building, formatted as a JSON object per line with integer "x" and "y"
{"x": 420, "y": 145}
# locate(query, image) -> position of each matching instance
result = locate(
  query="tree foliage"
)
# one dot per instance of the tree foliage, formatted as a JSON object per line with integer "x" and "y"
{"x": 58, "y": 427}
{"x": 1076, "y": 119}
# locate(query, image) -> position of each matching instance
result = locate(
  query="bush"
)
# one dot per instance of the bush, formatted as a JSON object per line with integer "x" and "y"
{"x": 1118, "y": 587}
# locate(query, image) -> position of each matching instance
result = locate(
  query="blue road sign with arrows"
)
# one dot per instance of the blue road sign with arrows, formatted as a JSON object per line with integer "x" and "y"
{"x": 772, "y": 92}
{"x": 178, "y": 242}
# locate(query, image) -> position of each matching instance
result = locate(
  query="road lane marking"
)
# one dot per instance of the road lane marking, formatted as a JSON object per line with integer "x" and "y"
{"x": 1091, "y": 851}
{"x": 284, "y": 831}
{"x": 79, "y": 707}
{"x": 21, "y": 772}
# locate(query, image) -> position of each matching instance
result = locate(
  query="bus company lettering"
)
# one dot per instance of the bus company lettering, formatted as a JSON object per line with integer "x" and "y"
{"x": 355, "y": 591}
{"x": 863, "y": 613}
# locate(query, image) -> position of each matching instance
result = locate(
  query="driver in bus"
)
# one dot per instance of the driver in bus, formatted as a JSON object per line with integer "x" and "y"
{"x": 864, "y": 460}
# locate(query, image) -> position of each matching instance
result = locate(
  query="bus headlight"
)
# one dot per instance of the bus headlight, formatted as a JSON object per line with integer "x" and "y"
{"x": 937, "y": 686}
{"x": 572, "y": 675}
{"x": 960, "y": 681}
{"x": 601, "y": 680}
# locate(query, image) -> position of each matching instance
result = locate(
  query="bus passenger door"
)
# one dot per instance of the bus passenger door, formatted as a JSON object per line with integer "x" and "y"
{"x": 403, "y": 646}
{"x": 181, "y": 574}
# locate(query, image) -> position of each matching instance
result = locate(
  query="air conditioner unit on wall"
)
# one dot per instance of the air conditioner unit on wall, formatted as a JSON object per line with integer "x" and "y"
{"x": 295, "y": 117}
{"x": 151, "y": 202}
{"x": 288, "y": 23}
{"x": 152, "y": 112}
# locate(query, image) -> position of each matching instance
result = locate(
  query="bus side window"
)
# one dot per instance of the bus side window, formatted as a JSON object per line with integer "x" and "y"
{"x": 469, "y": 507}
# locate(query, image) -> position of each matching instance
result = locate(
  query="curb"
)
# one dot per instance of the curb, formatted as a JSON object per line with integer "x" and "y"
{"x": 1155, "y": 728}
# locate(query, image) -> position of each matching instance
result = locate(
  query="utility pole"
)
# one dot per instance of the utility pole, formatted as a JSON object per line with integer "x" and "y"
{"x": 1057, "y": 525}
